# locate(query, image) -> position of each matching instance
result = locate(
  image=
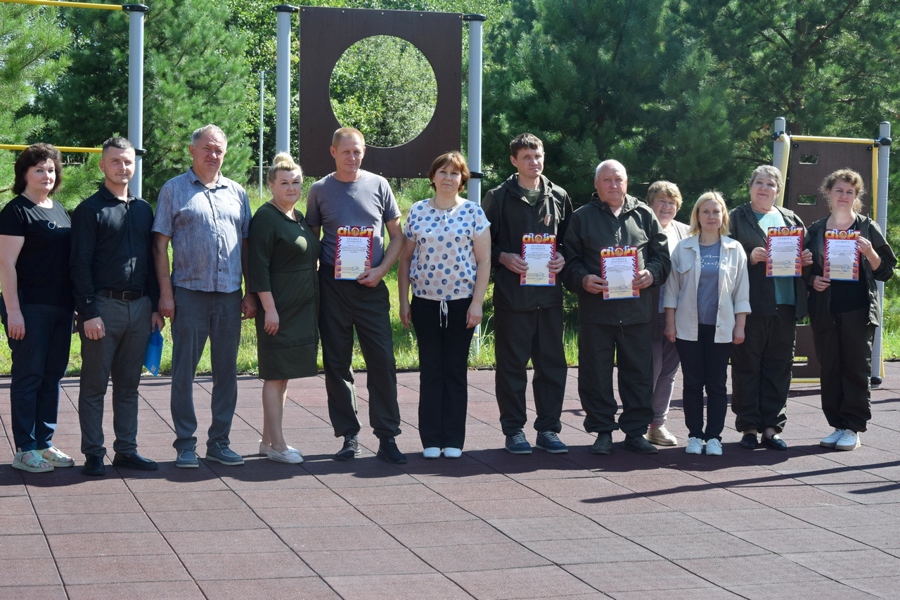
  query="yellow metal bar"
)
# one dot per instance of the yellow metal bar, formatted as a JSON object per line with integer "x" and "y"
{"x": 66, "y": 4}
{"x": 805, "y": 380}
{"x": 874, "y": 182}
{"x": 813, "y": 138}
{"x": 72, "y": 149}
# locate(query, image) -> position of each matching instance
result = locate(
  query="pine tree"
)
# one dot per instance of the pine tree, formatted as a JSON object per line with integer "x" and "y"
{"x": 30, "y": 43}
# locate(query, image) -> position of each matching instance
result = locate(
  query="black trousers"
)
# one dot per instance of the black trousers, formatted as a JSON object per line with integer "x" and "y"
{"x": 628, "y": 346}
{"x": 343, "y": 306}
{"x": 761, "y": 370}
{"x": 518, "y": 337}
{"x": 704, "y": 364}
{"x": 443, "y": 341}
{"x": 844, "y": 348}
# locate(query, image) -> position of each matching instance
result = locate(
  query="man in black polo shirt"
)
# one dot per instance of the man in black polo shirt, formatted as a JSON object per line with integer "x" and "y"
{"x": 116, "y": 293}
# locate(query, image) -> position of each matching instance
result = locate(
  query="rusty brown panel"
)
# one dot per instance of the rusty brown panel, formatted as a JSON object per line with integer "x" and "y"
{"x": 325, "y": 33}
{"x": 805, "y": 347}
{"x": 805, "y": 179}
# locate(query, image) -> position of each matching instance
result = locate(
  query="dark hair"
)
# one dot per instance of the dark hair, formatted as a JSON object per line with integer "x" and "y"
{"x": 847, "y": 176}
{"x": 118, "y": 142}
{"x": 523, "y": 141}
{"x": 455, "y": 160}
{"x": 32, "y": 156}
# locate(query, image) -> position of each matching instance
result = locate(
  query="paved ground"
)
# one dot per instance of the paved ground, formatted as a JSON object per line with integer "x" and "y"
{"x": 807, "y": 523}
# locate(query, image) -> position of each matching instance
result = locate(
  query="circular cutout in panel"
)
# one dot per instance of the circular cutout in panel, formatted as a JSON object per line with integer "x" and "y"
{"x": 385, "y": 87}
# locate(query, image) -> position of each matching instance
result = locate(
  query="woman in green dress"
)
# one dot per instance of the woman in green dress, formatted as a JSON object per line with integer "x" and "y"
{"x": 283, "y": 256}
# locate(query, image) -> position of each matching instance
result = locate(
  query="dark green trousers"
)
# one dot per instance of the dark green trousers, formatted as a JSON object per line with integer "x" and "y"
{"x": 518, "y": 337}
{"x": 343, "y": 307}
{"x": 599, "y": 346}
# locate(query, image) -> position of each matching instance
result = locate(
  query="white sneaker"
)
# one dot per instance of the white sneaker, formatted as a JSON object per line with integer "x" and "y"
{"x": 831, "y": 440}
{"x": 848, "y": 441}
{"x": 431, "y": 452}
{"x": 713, "y": 447}
{"x": 661, "y": 436}
{"x": 452, "y": 452}
{"x": 694, "y": 446}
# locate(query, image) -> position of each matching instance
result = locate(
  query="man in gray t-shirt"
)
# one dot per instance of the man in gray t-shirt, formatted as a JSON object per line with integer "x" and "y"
{"x": 351, "y": 197}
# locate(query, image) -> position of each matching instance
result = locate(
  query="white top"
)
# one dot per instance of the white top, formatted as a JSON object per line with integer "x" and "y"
{"x": 681, "y": 288}
{"x": 443, "y": 265}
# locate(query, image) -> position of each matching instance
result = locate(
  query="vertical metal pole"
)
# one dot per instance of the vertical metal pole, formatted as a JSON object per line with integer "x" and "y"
{"x": 884, "y": 163}
{"x": 262, "y": 83}
{"x": 283, "y": 79}
{"x": 777, "y": 145}
{"x": 136, "y": 90}
{"x": 474, "y": 139}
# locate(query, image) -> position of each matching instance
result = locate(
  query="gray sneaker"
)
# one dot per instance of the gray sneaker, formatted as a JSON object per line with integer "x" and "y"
{"x": 187, "y": 459}
{"x": 221, "y": 453}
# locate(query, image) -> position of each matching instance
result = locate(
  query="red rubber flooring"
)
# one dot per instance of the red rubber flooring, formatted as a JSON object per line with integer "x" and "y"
{"x": 806, "y": 523}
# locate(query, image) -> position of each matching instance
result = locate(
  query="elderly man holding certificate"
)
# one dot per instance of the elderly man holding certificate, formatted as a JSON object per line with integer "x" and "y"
{"x": 615, "y": 250}
{"x": 850, "y": 253}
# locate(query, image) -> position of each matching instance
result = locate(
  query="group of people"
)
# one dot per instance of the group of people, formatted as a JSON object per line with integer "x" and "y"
{"x": 699, "y": 295}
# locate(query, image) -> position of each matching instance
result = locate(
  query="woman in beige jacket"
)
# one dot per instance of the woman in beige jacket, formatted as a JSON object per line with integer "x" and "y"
{"x": 707, "y": 301}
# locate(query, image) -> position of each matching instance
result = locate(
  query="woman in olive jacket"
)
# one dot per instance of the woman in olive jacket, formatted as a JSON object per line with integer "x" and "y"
{"x": 844, "y": 314}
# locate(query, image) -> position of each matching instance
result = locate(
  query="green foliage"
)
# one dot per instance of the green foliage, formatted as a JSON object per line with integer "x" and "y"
{"x": 195, "y": 73}
{"x": 384, "y": 87}
{"x": 30, "y": 47}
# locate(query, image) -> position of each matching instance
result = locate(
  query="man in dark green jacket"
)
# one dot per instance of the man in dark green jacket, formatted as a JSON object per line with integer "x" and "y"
{"x": 528, "y": 319}
{"x": 615, "y": 330}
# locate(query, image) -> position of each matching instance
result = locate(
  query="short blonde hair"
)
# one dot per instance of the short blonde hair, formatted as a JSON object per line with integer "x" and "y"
{"x": 283, "y": 162}
{"x": 703, "y": 199}
{"x": 663, "y": 188}
{"x": 346, "y": 132}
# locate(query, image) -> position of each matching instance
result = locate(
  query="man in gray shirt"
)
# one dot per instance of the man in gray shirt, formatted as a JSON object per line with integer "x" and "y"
{"x": 352, "y": 198}
{"x": 206, "y": 217}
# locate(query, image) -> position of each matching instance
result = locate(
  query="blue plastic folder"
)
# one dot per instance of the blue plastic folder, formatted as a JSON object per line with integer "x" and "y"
{"x": 153, "y": 356}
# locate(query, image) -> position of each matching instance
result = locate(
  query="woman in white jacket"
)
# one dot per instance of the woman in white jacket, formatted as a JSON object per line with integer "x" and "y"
{"x": 707, "y": 301}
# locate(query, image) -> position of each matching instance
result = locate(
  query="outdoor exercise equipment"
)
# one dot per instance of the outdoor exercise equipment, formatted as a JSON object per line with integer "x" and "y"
{"x": 135, "y": 79}
{"x": 804, "y": 161}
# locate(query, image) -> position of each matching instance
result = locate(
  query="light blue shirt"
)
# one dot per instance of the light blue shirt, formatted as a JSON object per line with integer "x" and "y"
{"x": 207, "y": 227}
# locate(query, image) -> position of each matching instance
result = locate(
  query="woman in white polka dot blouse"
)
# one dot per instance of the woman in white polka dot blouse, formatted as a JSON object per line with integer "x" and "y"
{"x": 447, "y": 257}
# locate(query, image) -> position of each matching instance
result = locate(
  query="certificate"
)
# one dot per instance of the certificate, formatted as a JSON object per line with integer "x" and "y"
{"x": 619, "y": 267}
{"x": 538, "y": 249}
{"x": 841, "y": 255}
{"x": 353, "y": 251}
{"x": 784, "y": 246}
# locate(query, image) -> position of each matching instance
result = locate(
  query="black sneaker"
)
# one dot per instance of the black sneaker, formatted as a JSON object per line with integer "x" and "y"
{"x": 387, "y": 450}
{"x": 603, "y": 443}
{"x": 639, "y": 444}
{"x": 350, "y": 448}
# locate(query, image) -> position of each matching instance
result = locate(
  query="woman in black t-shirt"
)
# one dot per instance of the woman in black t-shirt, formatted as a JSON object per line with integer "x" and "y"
{"x": 844, "y": 305}
{"x": 36, "y": 305}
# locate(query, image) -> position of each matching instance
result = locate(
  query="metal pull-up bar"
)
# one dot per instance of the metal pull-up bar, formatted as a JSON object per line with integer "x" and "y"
{"x": 135, "y": 78}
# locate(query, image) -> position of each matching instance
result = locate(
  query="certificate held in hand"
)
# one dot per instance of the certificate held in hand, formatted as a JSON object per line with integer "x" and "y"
{"x": 538, "y": 249}
{"x": 841, "y": 255}
{"x": 784, "y": 246}
{"x": 353, "y": 251}
{"x": 619, "y": 267}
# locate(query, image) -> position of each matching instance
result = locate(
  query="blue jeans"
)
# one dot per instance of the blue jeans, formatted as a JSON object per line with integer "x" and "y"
{"x": 39, "y": 362}
{"x": 200, "y": 316}
{"x": 119, "y": 354}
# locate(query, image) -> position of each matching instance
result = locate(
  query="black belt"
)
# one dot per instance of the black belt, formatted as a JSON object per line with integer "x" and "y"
{"x": 126, "y": 296}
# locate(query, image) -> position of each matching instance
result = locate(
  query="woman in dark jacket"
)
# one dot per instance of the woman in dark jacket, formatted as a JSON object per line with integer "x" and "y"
{"x": 761, "y": 366}
{"x": 844, "y": 313}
